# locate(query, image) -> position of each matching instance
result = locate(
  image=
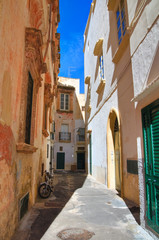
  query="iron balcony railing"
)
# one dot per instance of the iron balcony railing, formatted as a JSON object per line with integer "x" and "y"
{"x": 64, "y": 136}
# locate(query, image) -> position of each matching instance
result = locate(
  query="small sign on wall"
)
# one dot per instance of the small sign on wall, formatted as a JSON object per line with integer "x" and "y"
{"x": 132, "y": 166}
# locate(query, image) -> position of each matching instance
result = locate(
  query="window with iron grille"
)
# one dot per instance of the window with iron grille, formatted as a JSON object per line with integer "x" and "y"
{"x": 121, "y": 21}
{"x": 29, "y": 109}
{"x": 64, "y": 102}
{"x": 24, "y": 205}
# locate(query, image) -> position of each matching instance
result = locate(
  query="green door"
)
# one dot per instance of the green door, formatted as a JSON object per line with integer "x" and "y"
{"x": 81, "y": 161}
{"x": 60, "y": 160}
{"x": 150, "y": 118}
{"x": 90, "y": 154}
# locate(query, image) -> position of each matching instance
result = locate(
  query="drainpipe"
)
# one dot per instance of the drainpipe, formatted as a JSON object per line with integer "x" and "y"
{"x": 48, "y": 40}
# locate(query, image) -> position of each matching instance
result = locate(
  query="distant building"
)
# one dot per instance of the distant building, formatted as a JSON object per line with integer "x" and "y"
{"x": 30, "y": 61}
{"x": 121, "y": 55}
{"x": 69, "y": 150}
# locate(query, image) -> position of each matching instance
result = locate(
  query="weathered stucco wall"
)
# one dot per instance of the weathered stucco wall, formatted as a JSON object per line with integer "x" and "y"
{"x": 20, "y": 166}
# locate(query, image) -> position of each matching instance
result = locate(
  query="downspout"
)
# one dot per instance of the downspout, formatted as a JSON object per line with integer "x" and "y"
{"x": 48, "y": 40}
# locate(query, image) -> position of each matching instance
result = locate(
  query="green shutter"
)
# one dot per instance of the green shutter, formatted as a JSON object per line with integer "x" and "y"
{"x": 150, "y": 118}
{"x": 155, "y": 140}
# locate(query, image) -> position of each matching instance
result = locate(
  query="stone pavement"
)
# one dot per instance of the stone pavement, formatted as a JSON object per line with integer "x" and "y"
{"x": 80, "y": 209}
{"x": 96, "y": 213}
{"x": 35, "y": 223}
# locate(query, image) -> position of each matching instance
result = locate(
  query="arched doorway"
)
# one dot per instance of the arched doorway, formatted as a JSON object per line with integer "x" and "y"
{"x": 114, "y": 152}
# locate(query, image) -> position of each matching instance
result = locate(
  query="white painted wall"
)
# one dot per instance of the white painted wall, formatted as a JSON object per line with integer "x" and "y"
{"x": 137, "y": 68}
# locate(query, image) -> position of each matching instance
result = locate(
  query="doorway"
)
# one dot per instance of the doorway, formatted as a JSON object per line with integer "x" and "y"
{"x": 60, "y": 160}
{"x": 81, "y": 161}
{"x": 114, "y": 152}
{"x": 150, "y": 122}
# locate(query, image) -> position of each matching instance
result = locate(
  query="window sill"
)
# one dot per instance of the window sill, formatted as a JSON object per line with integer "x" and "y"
{"x": 100, "y": 86}
{"x": 80, "y": 142}
{"x": 64, "y": 111}
{"x": 98, "y": 47}
{"x": 25, "y": 148}
{"x": 123, "y": 45}
{"x": 87, "y": 80}
{"x": 89, "y": 109}
{"x": 45, "y": 133}
{"x": 65, "y": 141}
{"x": 111, "y": 4}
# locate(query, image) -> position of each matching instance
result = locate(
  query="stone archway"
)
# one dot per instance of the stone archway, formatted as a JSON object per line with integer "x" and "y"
{"x": 114, "y": 159}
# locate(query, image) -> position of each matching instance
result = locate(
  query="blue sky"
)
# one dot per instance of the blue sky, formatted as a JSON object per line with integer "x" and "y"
{"x": 73, "y": 19}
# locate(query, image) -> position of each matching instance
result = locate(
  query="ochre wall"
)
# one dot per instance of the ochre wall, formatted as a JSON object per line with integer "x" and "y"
{"x": 20, "y": 170}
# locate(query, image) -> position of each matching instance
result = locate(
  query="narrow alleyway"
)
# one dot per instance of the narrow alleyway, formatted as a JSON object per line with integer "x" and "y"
{"x": 80, "y": 209}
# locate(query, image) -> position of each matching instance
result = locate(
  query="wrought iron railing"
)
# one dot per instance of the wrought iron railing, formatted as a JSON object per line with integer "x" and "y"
{"x": 64, "y": 136}
{"x": 80, "y": 138}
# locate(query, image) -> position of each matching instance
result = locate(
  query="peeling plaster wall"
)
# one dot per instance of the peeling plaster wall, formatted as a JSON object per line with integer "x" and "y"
{"x": 19, "y": 172}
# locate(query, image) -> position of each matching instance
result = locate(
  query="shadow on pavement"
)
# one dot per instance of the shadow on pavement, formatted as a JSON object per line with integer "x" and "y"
{"x": 134, "y": 209}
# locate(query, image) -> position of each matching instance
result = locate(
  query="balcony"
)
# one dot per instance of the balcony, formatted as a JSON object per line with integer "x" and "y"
{"x": 65, "y": 136}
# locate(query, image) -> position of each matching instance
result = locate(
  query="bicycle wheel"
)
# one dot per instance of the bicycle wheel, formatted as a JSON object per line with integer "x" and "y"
{"x": 44, "y": 190}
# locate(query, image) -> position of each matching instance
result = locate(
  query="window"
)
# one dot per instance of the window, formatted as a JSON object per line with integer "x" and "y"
{"x": 101, "y": 66}
{"x": 121, "y": 21}
{"x": 83, "y": 108}
{"x": 29, "y": 109}
{"x": 81, "y": 134}
{"x": 64, "y": 103}
{"x": 64, "y": 128}
{"x": 45, "y": 117}
{"x": 51, "y": 135}
{"x": 65, "y": 135}
{"x": 61, "y": 148}
{"x": 47, "y": 150}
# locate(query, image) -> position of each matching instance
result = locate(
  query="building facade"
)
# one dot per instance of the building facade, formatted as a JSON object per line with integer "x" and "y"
{"x": 69, "y": 151}
{"x": 29, "y": 56}
{"x": 121, "y": 85}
